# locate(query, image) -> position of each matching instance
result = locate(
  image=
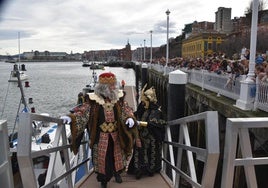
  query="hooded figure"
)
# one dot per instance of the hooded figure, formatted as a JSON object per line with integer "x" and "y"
{"x": 147, "y": 159}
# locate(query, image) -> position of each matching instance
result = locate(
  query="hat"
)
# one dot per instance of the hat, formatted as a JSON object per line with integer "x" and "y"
{"x": 107, "y": 78}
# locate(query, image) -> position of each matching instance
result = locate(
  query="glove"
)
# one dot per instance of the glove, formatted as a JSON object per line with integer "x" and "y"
{"x": 66, "y": 119}
{"x": 130, "y": 122}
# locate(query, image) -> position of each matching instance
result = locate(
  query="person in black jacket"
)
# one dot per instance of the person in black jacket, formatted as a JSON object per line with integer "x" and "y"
{"x": 146, "y": 160}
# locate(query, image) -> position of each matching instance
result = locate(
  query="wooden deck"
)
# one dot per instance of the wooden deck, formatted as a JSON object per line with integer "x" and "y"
{"x": 131, "y": 96}
{"x": 129, "y": 181}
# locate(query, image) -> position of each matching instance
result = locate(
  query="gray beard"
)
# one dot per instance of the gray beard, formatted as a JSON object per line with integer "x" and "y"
{"x": 104, "y": 91}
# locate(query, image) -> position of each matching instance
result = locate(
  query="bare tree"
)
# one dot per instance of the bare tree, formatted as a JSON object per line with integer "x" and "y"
{"x": 262, "y": 5}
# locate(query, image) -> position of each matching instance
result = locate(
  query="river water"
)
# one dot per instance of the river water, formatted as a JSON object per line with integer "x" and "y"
{"x": 53, "y": 87}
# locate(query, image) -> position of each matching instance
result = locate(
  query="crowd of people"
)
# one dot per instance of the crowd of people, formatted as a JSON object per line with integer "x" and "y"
{"x": 120, "y": 138}
{"x": 237, "y": 65}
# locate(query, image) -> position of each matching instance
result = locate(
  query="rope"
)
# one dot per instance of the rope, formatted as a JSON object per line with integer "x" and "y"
{"x": 2, "y": 113}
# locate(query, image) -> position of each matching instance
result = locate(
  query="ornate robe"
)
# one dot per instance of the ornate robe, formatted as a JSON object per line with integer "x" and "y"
{"x": 111, "y": 140}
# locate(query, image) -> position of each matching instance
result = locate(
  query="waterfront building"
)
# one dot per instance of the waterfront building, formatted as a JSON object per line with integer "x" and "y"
{"x": 202, "y": 45}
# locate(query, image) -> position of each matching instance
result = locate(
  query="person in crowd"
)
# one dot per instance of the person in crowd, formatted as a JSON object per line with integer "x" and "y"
{"x": 123, "y": 83}
{"x": 146, "y": 160}
{"x": 110, "y": 122}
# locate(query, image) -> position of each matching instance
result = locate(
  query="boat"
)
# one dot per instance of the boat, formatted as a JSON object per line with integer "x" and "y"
{"x": 86, "y": 63}
{"x": 17, "y": 73}
{"x": 41, "y": 136}
{"x": 96, "y": 66}
{"x": 89, "y": 88}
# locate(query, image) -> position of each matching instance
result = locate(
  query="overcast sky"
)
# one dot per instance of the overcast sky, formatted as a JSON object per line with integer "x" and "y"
{"x": 83, "y": 25}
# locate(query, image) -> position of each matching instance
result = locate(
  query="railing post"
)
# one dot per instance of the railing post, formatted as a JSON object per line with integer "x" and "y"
{"x": 176, "y": 94}
{"x": 144, "y": 72}
{"x": 6, "y": 177}
{"x": 175, "y": 108}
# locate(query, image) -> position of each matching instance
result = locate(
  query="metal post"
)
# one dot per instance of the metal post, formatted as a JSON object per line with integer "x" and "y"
{"x": 253, "y": 39}
{"x": 144, "y": 51}
{"x": 141, "y": 52}
{"x": 167, "y": 12}
{"x": 151, "y": 52}
{"x": 246, "y": 100}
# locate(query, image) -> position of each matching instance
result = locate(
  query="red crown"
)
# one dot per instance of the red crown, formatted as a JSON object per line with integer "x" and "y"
{"x": 107, "y": 78}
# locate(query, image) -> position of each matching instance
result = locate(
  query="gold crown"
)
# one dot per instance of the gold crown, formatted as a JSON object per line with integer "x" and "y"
{"x": 149, "y": 94}
{"x": 107, "y": 78}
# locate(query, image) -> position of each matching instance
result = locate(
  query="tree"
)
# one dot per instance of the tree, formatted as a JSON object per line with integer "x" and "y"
{"x": 262, "y": 5}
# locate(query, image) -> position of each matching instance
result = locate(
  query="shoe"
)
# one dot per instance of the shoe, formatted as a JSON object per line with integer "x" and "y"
{"x": 118, "y": 178}
{"x": 103, "y": 184}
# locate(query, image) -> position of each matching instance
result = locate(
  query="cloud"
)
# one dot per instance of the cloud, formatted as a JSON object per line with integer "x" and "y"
{"x": 79, "y": 25}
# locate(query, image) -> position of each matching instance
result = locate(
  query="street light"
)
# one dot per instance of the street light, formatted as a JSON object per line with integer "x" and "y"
{"x": 144, "y": 50}
{"x": 167, "y": 13}
{"x": 141, "y": 52}
{"x": 151, "y": 52}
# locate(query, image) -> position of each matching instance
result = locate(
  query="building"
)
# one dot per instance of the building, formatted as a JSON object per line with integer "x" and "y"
{"x": 223, "y": 21}
{"x": 202, "y": 45}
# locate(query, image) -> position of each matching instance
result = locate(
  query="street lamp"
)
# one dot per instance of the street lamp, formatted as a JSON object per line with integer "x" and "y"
{"x": 144, "y": 49}
{"x": 151, "y": 52}
{"x": 167, "y": 13}
{"x": 141, "y": 53}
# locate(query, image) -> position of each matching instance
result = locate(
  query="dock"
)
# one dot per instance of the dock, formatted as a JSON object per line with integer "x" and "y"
{"x": 129, "y": 181}
{"x": 131, "y": 96}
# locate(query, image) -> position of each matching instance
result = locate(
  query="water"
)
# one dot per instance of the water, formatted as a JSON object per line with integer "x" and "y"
{"x": 53, "y": 86}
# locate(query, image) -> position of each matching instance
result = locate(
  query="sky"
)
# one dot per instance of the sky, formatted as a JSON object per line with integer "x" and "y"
{"x": 75, "y": 26}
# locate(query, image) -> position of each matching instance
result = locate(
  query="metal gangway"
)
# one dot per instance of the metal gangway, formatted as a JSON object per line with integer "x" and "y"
{"x": 181, "y": 155}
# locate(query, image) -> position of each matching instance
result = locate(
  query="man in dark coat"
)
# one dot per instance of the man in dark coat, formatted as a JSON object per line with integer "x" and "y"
{"x": 147, "y": 159}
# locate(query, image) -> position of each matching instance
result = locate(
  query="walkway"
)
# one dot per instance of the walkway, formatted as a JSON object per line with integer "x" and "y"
{"x": 129, "y": 181}
{"x": 131, "y": 96}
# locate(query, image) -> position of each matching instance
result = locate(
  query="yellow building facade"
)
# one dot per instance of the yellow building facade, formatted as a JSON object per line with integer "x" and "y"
{"x": 202, "y": 45}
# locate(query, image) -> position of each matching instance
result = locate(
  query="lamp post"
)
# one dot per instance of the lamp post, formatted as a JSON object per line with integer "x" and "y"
{"x": 167, "y": 13}
{"x": 141, "y": 53}
{"x": 151, "y": 52}
{"x": 245, "y": 100}
{"x": 144, "y": 50}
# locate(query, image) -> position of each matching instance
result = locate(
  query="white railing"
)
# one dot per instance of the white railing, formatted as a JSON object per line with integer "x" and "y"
{"x": 208, "y": 155}
{"x": 261, "y": 95}
{"x": 6, "y": 177}
{"x": 63, "y": 164}
{"x": 238, "y": 137}
{"x": 224, "y": 84}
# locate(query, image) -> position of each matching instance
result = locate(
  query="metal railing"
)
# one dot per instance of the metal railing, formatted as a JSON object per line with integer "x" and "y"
{"x": 237, "y": 129}
{"x": 6, "y": 177}
{"x": 63, "y": 164}
{"x": 224, "y": 84}
{"x": 208, "y": 155}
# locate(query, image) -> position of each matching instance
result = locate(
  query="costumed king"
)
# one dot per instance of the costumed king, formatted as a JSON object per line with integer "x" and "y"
{"x": 110, "y": 123}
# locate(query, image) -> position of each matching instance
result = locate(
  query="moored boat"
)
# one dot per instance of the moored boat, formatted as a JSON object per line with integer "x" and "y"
{"x": 18, "y": 73}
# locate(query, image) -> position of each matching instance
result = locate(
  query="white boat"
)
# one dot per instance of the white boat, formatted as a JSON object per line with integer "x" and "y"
{"x": 92, "y": 83}
{"x": 41, "y": 149}
{"x": 18, "y": 73}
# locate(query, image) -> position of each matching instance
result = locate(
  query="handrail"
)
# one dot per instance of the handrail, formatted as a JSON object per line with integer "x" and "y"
{"x": 208, "y": 155}
{"x": 224, "y": 84}
{"x": 6, "y": 177}
{"x": 238, "y": 129}
{"x": 59, "y": 172}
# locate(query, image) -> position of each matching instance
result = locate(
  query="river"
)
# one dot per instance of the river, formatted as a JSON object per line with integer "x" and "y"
{"x": 53, "y": 87}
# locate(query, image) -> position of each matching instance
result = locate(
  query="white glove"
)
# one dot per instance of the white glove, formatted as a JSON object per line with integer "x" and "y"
{"x": 130, "y": 122}
{"x": 66, "y": 119}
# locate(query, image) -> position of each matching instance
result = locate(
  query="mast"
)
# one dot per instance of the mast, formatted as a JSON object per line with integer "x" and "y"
{"x": 23, "y": 100}
{"x": 19, "y": 44}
